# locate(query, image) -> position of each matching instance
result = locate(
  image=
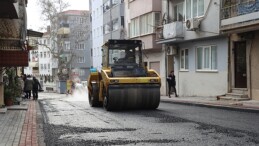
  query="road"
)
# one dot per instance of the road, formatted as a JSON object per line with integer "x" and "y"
{"x": 69, "y": 120}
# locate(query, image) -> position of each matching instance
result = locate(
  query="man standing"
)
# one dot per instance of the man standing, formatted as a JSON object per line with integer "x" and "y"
{"x": 28, "y": 86}
{"x": 171, "y": 83}
{"x": 36, "y": 87}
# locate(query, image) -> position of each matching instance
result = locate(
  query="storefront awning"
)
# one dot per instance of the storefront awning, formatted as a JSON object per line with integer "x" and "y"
{"x": 13, "y": 58}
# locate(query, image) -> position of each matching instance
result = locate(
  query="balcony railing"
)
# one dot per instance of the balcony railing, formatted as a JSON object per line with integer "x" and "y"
{"x": 233, "y": 10}
{"x": 170, "y": 30}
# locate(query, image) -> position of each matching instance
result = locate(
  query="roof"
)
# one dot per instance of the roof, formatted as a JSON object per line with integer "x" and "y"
{"x": 34, "y": 33}
{"x": 74, "y": 12}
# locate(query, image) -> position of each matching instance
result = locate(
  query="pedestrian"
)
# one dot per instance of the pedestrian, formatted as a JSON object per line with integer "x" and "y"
{"x": 36, "y": 88}
{"x": 28, "y": 86}
{"x": 171, "y": 84}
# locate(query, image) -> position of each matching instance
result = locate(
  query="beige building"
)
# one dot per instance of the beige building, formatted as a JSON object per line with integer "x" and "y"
{"x": 141, "y": 19}
{"x": 240, "y": 20}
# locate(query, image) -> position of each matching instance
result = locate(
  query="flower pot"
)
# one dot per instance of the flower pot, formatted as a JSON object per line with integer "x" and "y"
{"x": 8, "y": 101}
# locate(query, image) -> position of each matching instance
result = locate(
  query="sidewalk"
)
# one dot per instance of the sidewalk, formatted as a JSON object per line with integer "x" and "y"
{"x": 250, "y": 105}
{"x": 18, "y": 125}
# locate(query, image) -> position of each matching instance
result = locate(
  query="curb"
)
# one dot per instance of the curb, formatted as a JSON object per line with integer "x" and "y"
{"x": 213, "y": 105}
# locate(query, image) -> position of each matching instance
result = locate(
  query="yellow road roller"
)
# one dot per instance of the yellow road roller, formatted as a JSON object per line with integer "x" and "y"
{"x": 124, "y": 81}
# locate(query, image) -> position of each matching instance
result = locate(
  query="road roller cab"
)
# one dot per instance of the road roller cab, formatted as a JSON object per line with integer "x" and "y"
{"x": 124, "y": 81}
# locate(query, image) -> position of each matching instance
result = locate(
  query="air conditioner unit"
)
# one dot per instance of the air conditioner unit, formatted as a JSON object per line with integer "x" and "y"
{"x": 192, "y": 24}
{"x": 172, "y": 50}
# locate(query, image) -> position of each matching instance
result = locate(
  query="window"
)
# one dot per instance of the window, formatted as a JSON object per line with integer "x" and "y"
{"x": 41, "y": 66}
{"x": 184, "y": 62}
{"x": 115, "y": 2}
{"x": 106, "y": 6}
{"x": 48, "y": 66}
{"x": 81, "y": 20}
{"x": 81, "y": 59}
{"x": 44, "y": 54}
{"x": 178, "y": 12}
{"x": 40, "y": 54}
{"x": 194, "y": 8}
{"x": 81, "y": 46}
{"x": 144, "y": 24}
{"x": 107, "y": 28}
{"x": 81, "y": 72}
{"x": 115, "y": 24}
{"x": 45, "y": 66}
{"x": 206, "y": 58}
{"x": 67, "y": 45}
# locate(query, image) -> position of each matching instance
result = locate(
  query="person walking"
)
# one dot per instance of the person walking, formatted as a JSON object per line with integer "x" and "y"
{"x": 171, "y": 84}
{"x": 35, "y": 88}
{"x": 28, "y": 86}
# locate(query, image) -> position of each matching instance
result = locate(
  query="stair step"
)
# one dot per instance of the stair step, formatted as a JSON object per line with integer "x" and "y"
{"x": 237, "y": 95}
{"x": 232, "y": 98}
{"x": 239, "y": 90}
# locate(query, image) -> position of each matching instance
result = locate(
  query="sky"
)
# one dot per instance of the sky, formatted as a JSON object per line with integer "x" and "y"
{"x": 34, "y": 19}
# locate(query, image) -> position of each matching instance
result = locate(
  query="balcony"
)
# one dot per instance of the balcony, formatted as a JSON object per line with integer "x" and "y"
{"x": 171, "y": 31}
{"x": 63, "y": 31}
{"x": 237, "y": 15}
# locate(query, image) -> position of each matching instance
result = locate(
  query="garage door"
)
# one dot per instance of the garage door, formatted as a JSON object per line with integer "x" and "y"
{"x": 155, "y": 66}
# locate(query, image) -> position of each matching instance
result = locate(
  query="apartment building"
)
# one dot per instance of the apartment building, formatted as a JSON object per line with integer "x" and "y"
{"x": 74, "y": 39}
{"x": 46, "y": 63}
{"x": 240, "y": 21}
{"x": 96, "y": 8}
{"x": 13, "y": 34}
{"x": 196, "y": 50}
{"x": 141, "y": 19}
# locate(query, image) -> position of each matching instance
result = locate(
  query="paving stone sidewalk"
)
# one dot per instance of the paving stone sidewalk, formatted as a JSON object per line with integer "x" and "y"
{"x": 250, "y": 105}
{"x": 18, "y": 125}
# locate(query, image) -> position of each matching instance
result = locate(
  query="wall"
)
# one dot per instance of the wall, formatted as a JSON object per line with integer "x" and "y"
{"x": 158, "y": 57}
{"x": 255, "y": 67}
{"x": 194, "y": 83}
{"x": 97, "y": 25}
{"x": 141, "y": 7}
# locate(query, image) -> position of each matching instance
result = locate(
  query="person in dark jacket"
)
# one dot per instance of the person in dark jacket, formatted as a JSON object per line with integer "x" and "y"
{"x": 28, "y": 86}
{"x": 35, "y": 89}
{"x": 171, "y": 83}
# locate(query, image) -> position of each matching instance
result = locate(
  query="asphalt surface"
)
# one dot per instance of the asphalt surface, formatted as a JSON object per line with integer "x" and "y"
{"x": 69, "y": 120}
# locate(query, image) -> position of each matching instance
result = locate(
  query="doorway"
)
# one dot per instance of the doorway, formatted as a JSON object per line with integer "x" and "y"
{"x": 240, "y": 64}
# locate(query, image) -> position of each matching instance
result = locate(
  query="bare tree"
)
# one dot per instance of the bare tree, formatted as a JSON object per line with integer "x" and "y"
{"x": 51, "y": 11}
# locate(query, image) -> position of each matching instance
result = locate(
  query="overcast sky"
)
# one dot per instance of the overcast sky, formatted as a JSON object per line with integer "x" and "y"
{"x": 34, "y": 12}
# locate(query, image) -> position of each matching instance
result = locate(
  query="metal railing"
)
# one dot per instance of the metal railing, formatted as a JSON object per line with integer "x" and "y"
{"x": 230, "y": 10}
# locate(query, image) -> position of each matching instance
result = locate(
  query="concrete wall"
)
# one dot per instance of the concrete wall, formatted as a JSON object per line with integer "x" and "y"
{"x": 140, "y": 7}
{"x": 116, "y": 11}
{"x": 158, "y": 57}
{"x": 255, "y": 67}
{"x": 203, "y": 83}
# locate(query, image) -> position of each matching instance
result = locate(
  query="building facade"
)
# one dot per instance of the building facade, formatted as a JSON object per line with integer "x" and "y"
{"x": 196, "y": 49}
{"x": 13, "y": 31}
{"x": 74, "y": 35}
{"x": 240, "y": 21}
{"x": 141, "y": 19}
{"x": 96, "y": 8}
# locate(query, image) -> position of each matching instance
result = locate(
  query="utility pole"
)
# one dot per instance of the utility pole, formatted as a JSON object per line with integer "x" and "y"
{"x": 110, "y": 19}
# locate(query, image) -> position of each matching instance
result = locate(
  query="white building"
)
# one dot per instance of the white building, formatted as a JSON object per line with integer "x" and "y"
{"x": 46, "y": 64}
{"x": 96, "y": 7}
